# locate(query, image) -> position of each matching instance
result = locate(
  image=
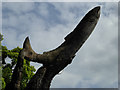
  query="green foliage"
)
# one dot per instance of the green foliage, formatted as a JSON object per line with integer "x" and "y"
{"x": 7, "y": 73}
{"x": 3, "y": 83}
{"x": 1, "y": 37}
{"x": 7, "y": 70}
{"x": 4, "y": 53}
{"x": 0, "y": 77}
{"x": 27, "y": 73}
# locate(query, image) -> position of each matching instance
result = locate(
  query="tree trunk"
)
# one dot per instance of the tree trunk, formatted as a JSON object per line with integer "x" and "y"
{"x": 56, "y": 60}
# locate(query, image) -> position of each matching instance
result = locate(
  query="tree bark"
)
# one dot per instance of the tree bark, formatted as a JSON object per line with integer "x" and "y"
{"x": 17, "y": 74}
{"x": 56, "y": 60}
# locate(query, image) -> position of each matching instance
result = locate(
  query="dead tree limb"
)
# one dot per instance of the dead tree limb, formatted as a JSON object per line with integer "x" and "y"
{"x": 72, "y": 42}
{"x": 56, "y": 60}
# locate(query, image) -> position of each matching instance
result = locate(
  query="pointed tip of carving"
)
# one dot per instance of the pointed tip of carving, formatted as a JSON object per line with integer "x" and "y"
{"x": 98, "y": 7}
{"x": 27, "y": 37}
{"x": 26, "y": 43}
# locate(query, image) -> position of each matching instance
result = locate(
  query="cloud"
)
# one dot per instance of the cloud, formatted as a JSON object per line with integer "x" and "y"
{"x": 19, "y": 8}
{"x": 95, "y": 65}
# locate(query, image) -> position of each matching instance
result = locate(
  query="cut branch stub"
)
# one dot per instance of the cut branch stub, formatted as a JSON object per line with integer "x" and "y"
{"x": 29, "y": 54}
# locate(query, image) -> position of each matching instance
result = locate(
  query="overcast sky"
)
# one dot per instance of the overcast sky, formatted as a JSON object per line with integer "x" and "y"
{"x": 46, "y": 24}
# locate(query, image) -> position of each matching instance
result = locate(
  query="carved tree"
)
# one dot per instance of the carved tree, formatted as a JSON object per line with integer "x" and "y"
{"x": 55, "y": 60}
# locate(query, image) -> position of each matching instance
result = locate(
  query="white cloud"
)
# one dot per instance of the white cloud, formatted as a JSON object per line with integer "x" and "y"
{"x": 19, "y": 8}
{"x": 10, "y": 38}
{"x": 68, "y": 78}
{"x": 43, "y": 9}
{"x": 96, "y": 62}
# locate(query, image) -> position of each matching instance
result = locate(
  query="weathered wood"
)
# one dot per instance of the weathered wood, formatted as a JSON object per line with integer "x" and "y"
{"x": 55, "y": 60}
{"x": 72, "y": 43}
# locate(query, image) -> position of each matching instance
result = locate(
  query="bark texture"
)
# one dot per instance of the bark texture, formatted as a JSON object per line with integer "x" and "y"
{"x": 17, "y": 74}
{"x": 55, "y": 60}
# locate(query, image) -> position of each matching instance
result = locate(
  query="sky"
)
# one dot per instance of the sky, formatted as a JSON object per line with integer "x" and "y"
{"x": 47, "y": 23}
